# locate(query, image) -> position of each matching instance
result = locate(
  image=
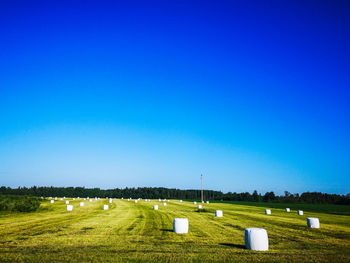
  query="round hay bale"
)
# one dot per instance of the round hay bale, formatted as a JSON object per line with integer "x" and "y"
{"x": 52, "y": 201}
{"x": 300, "y": 212}
{"x": 200, "y": 207}
{"x": 287, "y": 210}
{"x": 155, "y": 207}
{"x": 180, "y": 201}
{"x": 110, "y": 201}
{"x": 81, "y": 204}
{"x": 218, "y": 213}
{"x": 69, "y": 208}
{"x": 267, "y": 211}
{"x": 105, "y": 207}
{"x": 67, "y": 202}
{"x": 256, "y": 239}
{"x": 194, "y": 202}
{"x": 313, "y": 222}
{"x": 180, "y": 225}
{"x": 207, "y": 202}
{"x": 164, "y": 204}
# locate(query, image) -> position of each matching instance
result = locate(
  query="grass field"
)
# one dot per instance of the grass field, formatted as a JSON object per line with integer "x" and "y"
{"x": 136, "y": 232}
{"x": 324, "y": 208}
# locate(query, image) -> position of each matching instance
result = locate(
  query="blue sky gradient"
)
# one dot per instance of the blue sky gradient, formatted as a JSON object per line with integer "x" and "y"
{"x": 252, "y": 94}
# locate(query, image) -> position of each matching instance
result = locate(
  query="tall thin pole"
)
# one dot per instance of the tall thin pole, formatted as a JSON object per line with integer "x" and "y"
{"x": 202, "y": 187}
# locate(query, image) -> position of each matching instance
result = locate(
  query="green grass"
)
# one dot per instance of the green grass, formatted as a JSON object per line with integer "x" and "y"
{"x": 324, "y": 208}
{"x": 136, "y": 232}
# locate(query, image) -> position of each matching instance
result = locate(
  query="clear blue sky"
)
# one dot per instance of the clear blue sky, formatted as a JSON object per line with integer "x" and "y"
{"x": 252, "y": 94}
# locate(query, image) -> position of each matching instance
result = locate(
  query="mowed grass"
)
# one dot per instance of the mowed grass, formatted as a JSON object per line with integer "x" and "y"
{"x": 136, "y": 232}
{"x": 325, "y": 208}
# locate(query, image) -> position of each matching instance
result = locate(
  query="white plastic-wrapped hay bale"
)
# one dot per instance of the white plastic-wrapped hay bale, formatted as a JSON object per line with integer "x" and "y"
{"x": 256, "y": 239}
{"x": 287, "y": 210}
{"x": 164, "y": 204}
{"x": 207, "y": 202}
{"x": 218, "y": 213}
{"x": 55, "y": 198}
{"x": 105, "y": 207}
{"x": 136, "y": 201}
{"x": 73, "y": 199}
{"x": 81, "y": 203}
{"x": 159, "y": 200}
{"x": 194, "y": 202}
{"x": 84, "y": 198}
{"x": 267, "y": 211}
{"x": 110, "y": 201}
{"x": 200, "y": 206}
{"x": 180, "y": 201}
{"x": 155, "y": 207}
{"x": 69, "y": 208}
{"x": 313, "y": 222}
{"x": 180, "y": 225}
{"x": 67, "y": 202}
{"x": 300, "y": 212}
{"x": 202, "y": 202}
{"x": 52, "y": 201}
{"x": 168, "y": 201}
{"x": 61, "y": 199}
{"x": 90, "y": 200}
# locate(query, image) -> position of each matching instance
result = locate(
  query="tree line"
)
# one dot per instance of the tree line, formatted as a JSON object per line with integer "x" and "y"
{"x": 172, "y": 193}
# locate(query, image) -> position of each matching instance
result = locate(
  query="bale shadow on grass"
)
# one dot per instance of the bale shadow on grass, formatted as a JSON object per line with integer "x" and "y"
{"x": 233, "y": 245}
{"x": 202, "y": 211}
{"x": 167, "y": 230}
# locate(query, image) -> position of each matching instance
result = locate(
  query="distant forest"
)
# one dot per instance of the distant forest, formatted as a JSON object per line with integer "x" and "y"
{"x": 171, "y": 193}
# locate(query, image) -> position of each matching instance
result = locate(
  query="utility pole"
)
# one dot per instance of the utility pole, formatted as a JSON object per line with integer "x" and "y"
{"x": 202, "y": 187}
